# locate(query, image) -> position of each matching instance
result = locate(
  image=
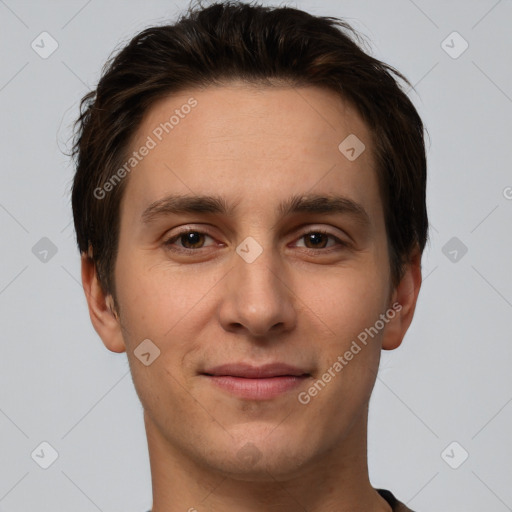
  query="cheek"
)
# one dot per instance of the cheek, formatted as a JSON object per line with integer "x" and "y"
{"x": 163, "y": 303}
{"x": 348, "y": 309}
{"x": 352, "y": 300}
{"x": 156, "y": 305}
{"x": 348, "y": 356}
{"x": 149, "y": 302}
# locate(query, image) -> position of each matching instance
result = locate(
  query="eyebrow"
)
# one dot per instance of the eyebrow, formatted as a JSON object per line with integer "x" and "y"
{"x": 311, "y": 203}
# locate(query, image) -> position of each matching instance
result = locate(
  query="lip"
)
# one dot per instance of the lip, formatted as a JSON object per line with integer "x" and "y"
{"x": 256, "y": 372}
{"x": 256, "y": 382}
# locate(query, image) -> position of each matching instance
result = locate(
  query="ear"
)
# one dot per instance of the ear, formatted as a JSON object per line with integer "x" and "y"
{"x": 104, "y": 318}
{"x": 404, "y": 298}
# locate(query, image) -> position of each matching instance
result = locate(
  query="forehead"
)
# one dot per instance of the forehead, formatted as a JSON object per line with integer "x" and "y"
{"x": 258, "y": 143}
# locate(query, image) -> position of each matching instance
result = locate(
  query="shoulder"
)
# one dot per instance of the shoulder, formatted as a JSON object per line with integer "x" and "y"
{"x": 396, "y": 505}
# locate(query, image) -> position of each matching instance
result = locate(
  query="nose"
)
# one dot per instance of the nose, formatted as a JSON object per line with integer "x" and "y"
{"x": 258, "y": 297}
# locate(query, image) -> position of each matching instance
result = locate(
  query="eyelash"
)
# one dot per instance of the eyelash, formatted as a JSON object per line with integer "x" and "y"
{"x": 169, "y": 242}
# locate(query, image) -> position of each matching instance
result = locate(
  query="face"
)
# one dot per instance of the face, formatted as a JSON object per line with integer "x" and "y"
{"x": 268, "y": 273}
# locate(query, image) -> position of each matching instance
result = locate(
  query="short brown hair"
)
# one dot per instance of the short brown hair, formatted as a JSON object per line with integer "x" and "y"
{"x": 257, "y": 44}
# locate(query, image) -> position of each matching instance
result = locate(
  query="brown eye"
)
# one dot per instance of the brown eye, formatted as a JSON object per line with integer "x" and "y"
{"x": 193, "y": 238}
{"x": 319, "y": 239}
{"x": 187, "y": 240}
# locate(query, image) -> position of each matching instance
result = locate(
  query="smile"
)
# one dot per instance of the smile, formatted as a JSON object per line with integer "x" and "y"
{"x": 257, "y": 388}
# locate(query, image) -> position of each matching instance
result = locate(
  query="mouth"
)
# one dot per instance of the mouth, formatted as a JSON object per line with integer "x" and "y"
{"x": 256, "y": 382}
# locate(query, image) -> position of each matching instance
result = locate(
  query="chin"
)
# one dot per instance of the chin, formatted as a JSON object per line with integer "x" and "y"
{"x": 264, "y": 458}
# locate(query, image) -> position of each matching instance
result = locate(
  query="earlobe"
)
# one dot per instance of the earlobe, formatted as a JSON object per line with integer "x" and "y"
{"x": 104, "y": 318}
{"x": 403, "y": 301}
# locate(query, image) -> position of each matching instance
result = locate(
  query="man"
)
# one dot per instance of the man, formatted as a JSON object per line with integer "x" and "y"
{"x": 249, "y": 203}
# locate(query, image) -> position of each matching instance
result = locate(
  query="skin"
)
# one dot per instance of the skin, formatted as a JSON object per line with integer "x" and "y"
{"x": 257, "y": 146}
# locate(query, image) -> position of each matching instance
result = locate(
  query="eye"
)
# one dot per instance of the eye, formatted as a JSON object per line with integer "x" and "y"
{"x": 318, "y": 238}
{"x": 190, "y": 240}
{"x": 193, "y": 240}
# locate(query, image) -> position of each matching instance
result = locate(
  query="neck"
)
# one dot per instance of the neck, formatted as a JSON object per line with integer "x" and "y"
{"x": 335, "y": 481}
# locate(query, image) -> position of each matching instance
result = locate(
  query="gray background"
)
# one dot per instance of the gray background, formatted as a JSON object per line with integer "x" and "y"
{"x": 449, "y": 381}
